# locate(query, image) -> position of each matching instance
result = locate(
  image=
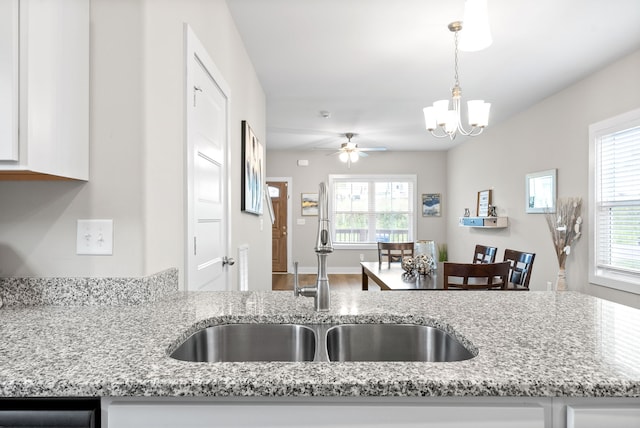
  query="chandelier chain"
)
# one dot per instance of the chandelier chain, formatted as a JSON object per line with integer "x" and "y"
{"x": 457, "y": 80}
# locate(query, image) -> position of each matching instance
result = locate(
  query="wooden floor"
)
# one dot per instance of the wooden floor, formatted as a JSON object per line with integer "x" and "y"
{"x": 284, "y": 281}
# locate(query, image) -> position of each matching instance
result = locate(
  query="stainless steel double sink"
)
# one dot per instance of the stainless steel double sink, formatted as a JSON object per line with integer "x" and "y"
{"x": 318, "y": 342}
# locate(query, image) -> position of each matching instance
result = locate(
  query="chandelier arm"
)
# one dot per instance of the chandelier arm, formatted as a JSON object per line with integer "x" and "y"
{"x": 444, "y": 135}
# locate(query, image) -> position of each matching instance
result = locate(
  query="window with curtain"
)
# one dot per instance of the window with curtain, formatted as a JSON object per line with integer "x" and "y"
{"x": 615, "y": 212}
{"x": 366, "y": 209}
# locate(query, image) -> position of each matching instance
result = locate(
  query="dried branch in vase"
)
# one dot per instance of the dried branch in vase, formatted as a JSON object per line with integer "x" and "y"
{"x": 564, "y": 226}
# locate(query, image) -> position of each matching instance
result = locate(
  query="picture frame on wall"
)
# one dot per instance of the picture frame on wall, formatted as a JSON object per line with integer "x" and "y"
{"x": 309, "y": 203}
{"x": 484, "y": 200}
{"x": 540, "y": 192}
{"x": 431, "y": 204}
{"x": 252, "y": 172}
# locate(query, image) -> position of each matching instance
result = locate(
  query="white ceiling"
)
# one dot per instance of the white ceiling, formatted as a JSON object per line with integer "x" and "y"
{"x": 374, "y": 64}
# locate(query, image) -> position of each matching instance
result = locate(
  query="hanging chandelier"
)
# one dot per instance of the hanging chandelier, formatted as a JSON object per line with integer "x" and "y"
{"x": 442, "y": 122}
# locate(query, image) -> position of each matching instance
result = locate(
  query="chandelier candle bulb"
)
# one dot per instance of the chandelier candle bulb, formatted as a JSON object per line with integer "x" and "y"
{"x": 430, "y": 118}
{"x": 478, "y": 113}
{"x": 441, "y": 109}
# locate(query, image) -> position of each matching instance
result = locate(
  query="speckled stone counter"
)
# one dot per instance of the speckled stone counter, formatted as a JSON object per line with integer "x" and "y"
{"x": 539, "y": 344}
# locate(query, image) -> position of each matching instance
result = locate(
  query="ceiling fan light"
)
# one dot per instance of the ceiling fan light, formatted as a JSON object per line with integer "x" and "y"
{"x": 344, "y": 157}
{"x": 478, "y": 113}
{"x": 353, "y": 156}
{"x": 430, "y": 118}
{"x": 476, "y": 33}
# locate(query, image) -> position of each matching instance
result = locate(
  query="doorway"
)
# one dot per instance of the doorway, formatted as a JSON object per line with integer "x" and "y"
{"x": 280, "y": 231}
{"x": 207, "y": 136}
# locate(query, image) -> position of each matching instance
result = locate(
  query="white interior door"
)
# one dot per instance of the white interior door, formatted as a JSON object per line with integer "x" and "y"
{"x": 207, "y": 103}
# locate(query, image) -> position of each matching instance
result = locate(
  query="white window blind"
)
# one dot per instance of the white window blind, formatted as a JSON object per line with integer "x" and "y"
{"x": 368, "y": 209}
{"x": 616, "y": 212}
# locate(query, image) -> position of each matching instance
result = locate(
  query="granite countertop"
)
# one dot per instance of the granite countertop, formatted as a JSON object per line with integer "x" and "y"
{"x": 529, "y": 344}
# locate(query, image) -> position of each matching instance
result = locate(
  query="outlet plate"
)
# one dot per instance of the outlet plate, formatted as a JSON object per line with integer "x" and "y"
{"x": 95, "y": 237}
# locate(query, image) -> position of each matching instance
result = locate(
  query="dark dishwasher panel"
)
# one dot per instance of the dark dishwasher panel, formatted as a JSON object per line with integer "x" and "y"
{"x": 49, "y": 412}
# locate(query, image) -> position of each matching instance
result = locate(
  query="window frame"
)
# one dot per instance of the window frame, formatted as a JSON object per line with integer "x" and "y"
{"x": 373, "y": 178}
{"x": 616, "y": 279}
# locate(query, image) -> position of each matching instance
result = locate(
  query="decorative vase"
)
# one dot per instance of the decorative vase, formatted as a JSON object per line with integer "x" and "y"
{"x": 561, "y": 280}
{"x": 426, "y": 248}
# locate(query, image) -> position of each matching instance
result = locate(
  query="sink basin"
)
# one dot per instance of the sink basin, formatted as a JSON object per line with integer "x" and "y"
{"x": 393, "y": 342}
{"x": 249, "y": 342}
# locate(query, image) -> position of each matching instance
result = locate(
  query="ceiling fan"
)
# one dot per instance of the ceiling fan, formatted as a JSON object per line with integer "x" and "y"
{"x": 350, "y": 152}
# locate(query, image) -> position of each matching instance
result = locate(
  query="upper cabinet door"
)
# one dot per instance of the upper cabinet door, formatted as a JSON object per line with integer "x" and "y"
{"x": 9, "y": 89}
{"x": 44, "y": 89}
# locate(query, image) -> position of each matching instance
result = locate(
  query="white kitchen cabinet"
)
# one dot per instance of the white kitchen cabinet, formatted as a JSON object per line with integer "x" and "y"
{"x": 590, "y": 416}
{"x": 44, "y": 89}
{"x": 323, "y": 414}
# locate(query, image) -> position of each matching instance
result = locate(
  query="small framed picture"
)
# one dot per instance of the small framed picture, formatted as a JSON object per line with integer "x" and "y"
{"x": 309, "y": 204}
{"x": 252, "y": 172}
{"x": 484, "y": 200}
{"x": 431, "y": 203}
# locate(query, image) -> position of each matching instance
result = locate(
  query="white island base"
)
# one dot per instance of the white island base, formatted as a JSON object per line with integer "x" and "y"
{"x": 447, "y": 412}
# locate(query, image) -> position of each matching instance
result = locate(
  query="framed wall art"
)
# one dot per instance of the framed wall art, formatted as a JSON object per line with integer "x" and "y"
{"x": 252, "y": 172}
{"x": 431, "y": 203}
{"x": 309, "y": 204}
{"x": 484, "y": 200}
{"x": 540, "y": 191}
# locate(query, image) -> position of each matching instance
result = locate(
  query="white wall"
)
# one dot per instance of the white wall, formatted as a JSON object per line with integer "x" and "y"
{"x": 137, "y": 149}
{"x": 164, "y": 151}
{"x": 551, "y": 134}
{"x": 430, "y": 168}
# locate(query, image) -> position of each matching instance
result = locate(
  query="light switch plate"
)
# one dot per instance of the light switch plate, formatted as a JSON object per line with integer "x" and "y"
{"x": 95, "y": 237}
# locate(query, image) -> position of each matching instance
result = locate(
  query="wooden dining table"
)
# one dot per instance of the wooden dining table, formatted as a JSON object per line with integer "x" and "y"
{"x": 394, "y": 278}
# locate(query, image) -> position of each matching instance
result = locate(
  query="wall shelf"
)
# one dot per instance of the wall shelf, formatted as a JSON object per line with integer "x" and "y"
{"x": 484, "y": 222}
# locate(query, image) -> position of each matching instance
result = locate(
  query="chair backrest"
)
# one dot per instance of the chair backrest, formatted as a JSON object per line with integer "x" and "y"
{"x": 521, "y": 265}
{"x": 484, "y": 254}
{"x": 474, "y": 276}
{"x": 394, "y": 251}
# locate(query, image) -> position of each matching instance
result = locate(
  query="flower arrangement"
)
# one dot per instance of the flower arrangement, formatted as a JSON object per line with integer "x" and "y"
{"x": 564, "y": 226}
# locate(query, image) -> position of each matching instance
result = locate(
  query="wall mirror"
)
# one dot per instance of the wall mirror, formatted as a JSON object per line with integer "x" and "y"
{"x": 540, "y": 191}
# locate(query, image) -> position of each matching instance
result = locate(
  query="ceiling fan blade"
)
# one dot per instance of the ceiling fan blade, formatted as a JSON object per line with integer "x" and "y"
{"x": 362, "y": 154}
{"x": 372, "y": 149}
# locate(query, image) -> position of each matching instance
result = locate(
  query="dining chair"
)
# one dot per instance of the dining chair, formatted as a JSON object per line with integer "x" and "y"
{"x": 484, "y": 254}
{"x": 521, "y": 264}
{"x": 394, "y": 251}
{"x": 476, "y": 276}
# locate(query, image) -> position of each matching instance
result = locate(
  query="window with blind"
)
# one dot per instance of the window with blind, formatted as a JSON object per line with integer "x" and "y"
{"x": 367, "y": 209}
{"x": 615, "y": 212}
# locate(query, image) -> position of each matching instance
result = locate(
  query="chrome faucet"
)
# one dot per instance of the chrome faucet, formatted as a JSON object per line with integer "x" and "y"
{"x": 323, "y": 248}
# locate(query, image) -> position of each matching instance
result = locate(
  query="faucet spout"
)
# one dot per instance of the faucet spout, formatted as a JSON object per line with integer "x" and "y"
{"x": 323, "y": 238}
{"x": 321, "y": 292}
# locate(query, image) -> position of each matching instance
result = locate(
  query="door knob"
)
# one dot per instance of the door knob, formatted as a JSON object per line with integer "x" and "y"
{"x": 228, "y": 261}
